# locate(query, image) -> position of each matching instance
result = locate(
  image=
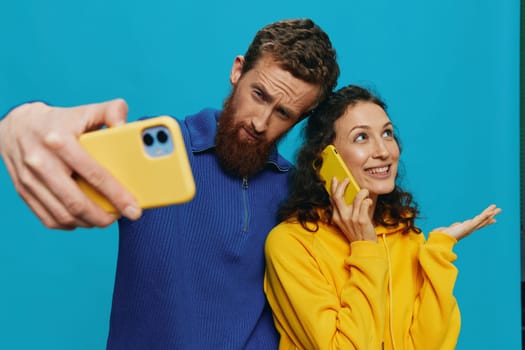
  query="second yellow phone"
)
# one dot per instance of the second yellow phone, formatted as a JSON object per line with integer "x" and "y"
{"x": 334, "y": 166}
{"x": 149, "y": 159}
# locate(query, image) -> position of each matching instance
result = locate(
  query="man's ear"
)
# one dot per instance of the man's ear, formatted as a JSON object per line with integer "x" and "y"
{"x": 236, "y": 71}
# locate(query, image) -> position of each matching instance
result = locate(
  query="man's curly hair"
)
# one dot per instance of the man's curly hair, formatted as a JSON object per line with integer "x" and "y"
{"x": 300, "y": 47}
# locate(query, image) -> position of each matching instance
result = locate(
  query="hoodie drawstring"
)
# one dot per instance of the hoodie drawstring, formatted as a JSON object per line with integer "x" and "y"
{"x": 390, "y": 294}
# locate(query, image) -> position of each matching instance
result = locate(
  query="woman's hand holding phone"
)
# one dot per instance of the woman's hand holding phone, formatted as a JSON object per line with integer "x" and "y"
{"x": 354, "y": 220}
{"x": 352, "y": 207}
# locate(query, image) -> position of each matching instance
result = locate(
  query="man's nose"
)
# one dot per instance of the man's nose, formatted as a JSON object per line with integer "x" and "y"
{"x": 261, "y": 120}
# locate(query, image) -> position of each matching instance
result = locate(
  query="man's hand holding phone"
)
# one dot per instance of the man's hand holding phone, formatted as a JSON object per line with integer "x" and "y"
{"x": 39, "y": 145}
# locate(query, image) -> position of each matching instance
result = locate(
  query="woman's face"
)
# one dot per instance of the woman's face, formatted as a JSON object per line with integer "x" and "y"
{"x": 365, "y": 140}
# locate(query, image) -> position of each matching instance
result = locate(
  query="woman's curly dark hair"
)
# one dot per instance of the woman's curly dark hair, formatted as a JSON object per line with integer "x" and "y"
{"x": 308, "y": 202}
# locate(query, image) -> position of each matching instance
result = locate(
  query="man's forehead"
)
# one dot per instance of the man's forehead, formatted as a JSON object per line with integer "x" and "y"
{"x": 280, "y": 83}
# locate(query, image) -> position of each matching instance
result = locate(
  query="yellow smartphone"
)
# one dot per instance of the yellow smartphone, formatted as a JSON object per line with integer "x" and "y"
{"x": 149, "y": 159}
{"x": 334, "y": 166}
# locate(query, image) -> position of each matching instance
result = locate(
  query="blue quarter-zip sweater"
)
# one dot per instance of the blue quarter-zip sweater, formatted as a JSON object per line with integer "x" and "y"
{"x": 191, "y": 276}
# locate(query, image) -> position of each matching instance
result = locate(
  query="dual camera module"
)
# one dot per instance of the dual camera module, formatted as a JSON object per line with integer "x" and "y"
{"x": 157, "y": 141}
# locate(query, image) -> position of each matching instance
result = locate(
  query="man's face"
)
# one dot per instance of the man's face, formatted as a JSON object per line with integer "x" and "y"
{"x": 264, "y": 104}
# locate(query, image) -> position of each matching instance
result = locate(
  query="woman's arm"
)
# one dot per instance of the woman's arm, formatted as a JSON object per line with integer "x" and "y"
{"x": 436, "y": 313}
{"x": 436, "y": 318}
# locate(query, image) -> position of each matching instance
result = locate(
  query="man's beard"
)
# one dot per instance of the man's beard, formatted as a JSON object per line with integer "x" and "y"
{"x": 239, "y": 157}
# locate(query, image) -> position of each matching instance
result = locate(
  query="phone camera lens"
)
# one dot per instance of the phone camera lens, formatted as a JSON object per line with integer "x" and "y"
{"x": 162, "y": 136}
{"x": 148, "y": 139}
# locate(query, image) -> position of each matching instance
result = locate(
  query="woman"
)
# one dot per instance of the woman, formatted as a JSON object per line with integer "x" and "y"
{"x": 360, "y": 276}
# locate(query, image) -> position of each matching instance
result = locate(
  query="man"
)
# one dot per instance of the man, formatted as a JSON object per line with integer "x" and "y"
{"x": 188, "y": 276}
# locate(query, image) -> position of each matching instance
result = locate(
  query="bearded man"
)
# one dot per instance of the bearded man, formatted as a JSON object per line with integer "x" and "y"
{"x": 191, "y": 276}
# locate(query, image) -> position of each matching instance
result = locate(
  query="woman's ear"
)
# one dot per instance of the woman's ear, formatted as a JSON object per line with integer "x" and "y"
{"x": 236, "y": 71}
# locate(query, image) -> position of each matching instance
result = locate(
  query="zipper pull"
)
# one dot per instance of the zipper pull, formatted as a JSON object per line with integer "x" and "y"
{"x": 245, "y": 182}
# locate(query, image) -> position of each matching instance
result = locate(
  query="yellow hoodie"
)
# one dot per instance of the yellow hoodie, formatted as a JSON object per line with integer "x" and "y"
{"x": 328, "y": 294}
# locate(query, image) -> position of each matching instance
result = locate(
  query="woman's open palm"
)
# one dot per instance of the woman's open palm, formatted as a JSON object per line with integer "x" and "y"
{"x": 460, "y": 230}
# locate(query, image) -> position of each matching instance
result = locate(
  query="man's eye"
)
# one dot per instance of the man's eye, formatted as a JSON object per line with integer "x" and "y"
{"x": 283, "y": 114}
{"x": 258, "y": 94}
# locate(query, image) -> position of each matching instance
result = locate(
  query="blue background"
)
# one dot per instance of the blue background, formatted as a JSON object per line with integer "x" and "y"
{"x": 448, "y": 69}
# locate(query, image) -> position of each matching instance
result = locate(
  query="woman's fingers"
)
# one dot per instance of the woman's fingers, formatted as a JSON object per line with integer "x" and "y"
{"x": 463, "y": 229}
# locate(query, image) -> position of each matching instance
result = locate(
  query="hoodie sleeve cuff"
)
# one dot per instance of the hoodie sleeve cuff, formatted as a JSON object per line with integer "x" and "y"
{"x": 442, "y": 239}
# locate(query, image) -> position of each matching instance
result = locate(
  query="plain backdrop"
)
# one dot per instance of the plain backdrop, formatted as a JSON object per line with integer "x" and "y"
{"x": 448, "y": 69}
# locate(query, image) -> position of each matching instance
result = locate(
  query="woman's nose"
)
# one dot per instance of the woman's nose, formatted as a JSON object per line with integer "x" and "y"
{"x": 381, "y": 151}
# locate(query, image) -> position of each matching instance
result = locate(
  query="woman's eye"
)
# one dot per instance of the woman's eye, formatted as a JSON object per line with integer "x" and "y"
{"x": 360, "y": 137}
{"x": 388, "y": 133}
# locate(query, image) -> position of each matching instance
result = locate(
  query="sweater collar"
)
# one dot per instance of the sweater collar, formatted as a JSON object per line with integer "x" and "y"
{"x": 202, "y": 128}
{"x": 380, "y": 230}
